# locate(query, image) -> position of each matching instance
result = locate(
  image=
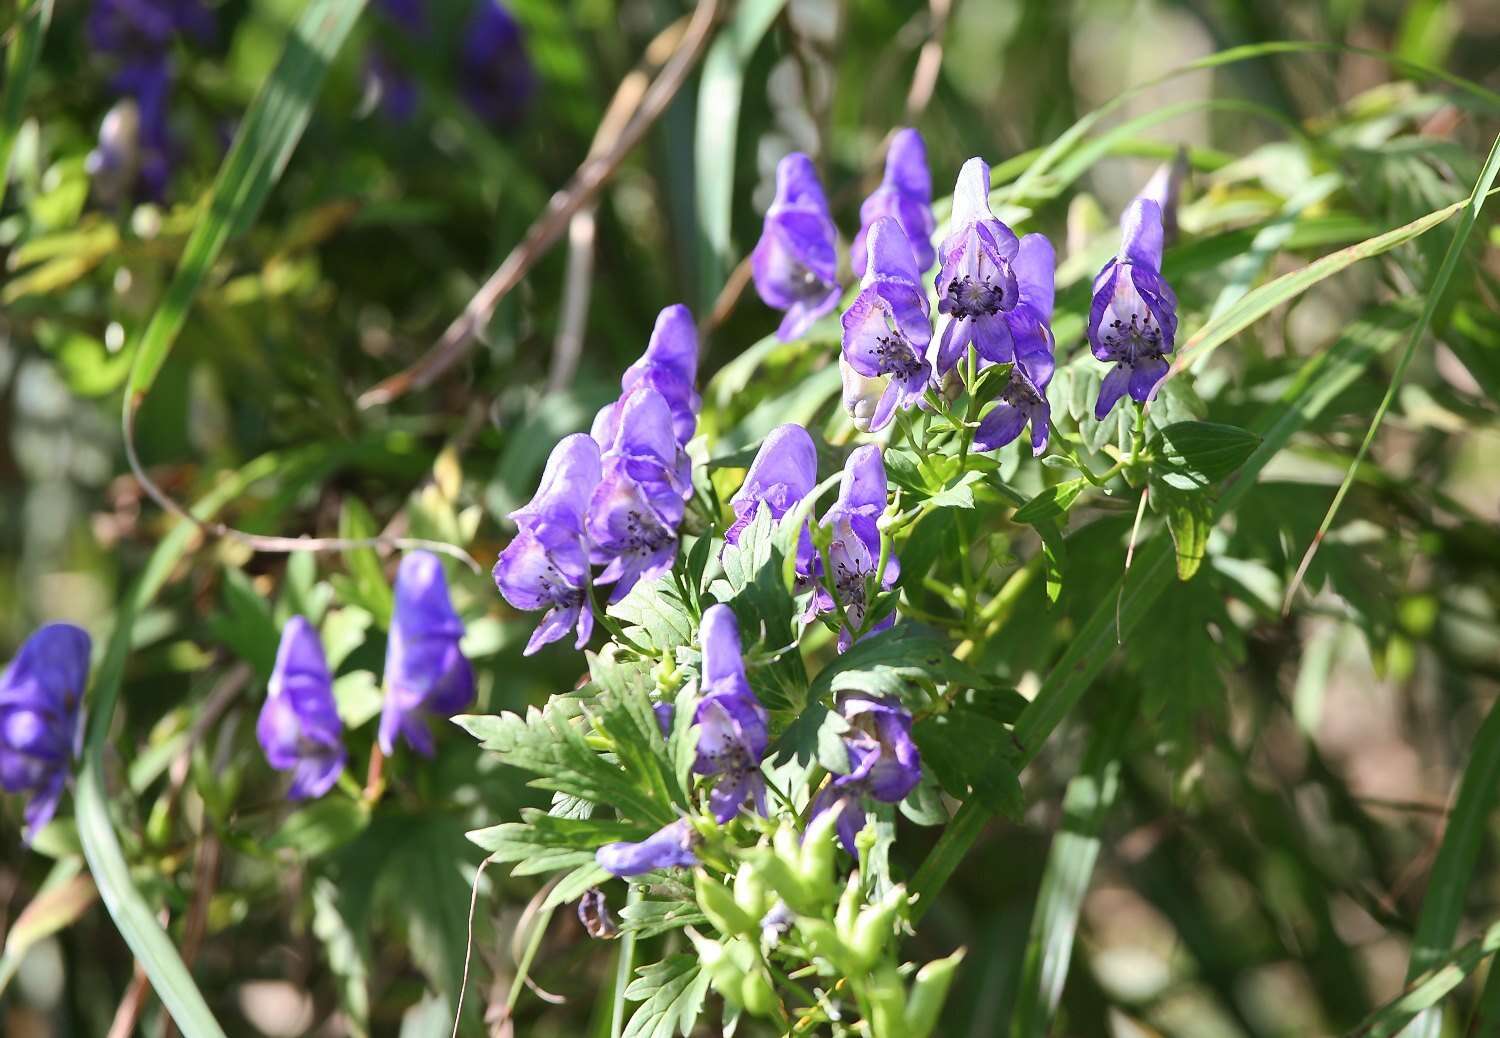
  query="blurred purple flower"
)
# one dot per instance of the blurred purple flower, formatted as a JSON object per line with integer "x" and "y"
{"x": 976, "y": 284}
{"x": 666, "y": 715}
{"x": 887, "y": 328}
{"x": 41, "y": 692}
{"x": 389, "y": 87}
{"x": 299, "y": 728}
{"x": 594, "y": 914}
{"x": 635, "y": 510}
{"x": 784, "y": 471}
{"x": 546, "y": 566}
{"x": 495, "y": 76}
{"x": 1133, "y": 319}
{"x": 145, "y": 28}
{"x": 855, "y": 549}
{"x": 426, "y": 674}
{"x": 905, "y": 195}
{"x": 733, "y": 728}
{"x": 795, "y": 263}
{"x": 409, "y": 15}
{"x": 669, "y": 366}
{"x": 883, "y": 762}
{"x": 1024, "y": 397}
{"x": 668, "y": 847}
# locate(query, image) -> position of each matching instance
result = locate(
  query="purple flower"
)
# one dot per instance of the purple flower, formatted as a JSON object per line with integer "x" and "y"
{"x": 390, "y": 88}
{"x": 425, "y": 671}
{"x": 666, "y": 716}
{"x": 669, "y": 366}
{"x": 145, "y": 28}
{"x": 594, "y": 914}
{"x": 41, "y": 692}
{"x": 883, "y": 762}
{"x": 409, "y": 15}
{"x": 1133, "y": 319}
{"x": 887, "y": 328}
{"x": 784, "y": 471}
{"x": 299, "y": 727}
{"x": 1165, "y": 189}
{"x": 855, "y": 549}
{"x": 976, "y": 283}
{"x": 1024, "y": 397}
{"x": 905, "y": 195}
{"x": 495, "y": 76}
{"x": 546, "y": 566}
{"x": 733, "y": 730}
{"x": 668, "y": 847}
{"x": 635, "y": 510}
{"x": 795, "y": 264}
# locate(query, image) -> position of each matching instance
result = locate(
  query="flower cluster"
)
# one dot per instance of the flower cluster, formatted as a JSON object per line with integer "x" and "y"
{"x": 883, "y": 763}
{"x": 41, "y": 695}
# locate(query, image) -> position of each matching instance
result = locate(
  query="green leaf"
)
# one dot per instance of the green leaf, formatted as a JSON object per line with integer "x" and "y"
{"x": 358, "y": 697}
{"x": 1192, "y": 455}
{"x": 61, "y": 899}
{"x": 246, "y": 626}
{"x": 655, "y": 614}
{"x": 623, "y": 714}
{"x": 671, "y": 993}
{"x": 755, "y": 586}
{"x": 26, "y": 36}
{"x": 369, "y": 588}
{"x": 884, "y": 663}
{"x": 967, "y": 750}
{"x": 652, "y": 918}
{"x": 322, "y": 826}
{"x": 1433, "y": 985}
{"x": 347, "y": 953}
{"x": 1052, "y": 502}
{"x": 1189, "y": 520}
{"x": 546, "y": 843}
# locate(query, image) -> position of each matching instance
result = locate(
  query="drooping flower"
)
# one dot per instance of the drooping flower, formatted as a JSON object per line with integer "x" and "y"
{"x": 669, "y": 366}
{"x": 593, "y": 912}
{"x": 496, "y": 78}
{"x": 669, "y": 847}
{"x": 887, "y": 328}
{"x": 975, "y": 285}
{"x": 426, "y": 673}
{"x": 1024, "y": 397}
{"x": 634, "y": 513}
{"x": 883, "y": 762}
{"x": 547, "y": 565}
{"x": 905, "y": 195}
{"x": 784, "y": 471}
{"x": 1133, "y": 319}
{"x": 299, "y": 728}
{"x": 795, "y": 263}
{"x": 733, "y": 727}
{"x": 41, "y": 693}
{"x": 855, "y": 549}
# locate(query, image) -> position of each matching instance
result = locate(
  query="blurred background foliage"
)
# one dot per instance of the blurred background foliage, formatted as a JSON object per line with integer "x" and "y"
{"x": 1276, "y": 787}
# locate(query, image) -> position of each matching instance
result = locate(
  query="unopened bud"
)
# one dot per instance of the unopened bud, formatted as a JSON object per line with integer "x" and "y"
{"x": 928, "y": 992}
{"x": 720, "y": 907}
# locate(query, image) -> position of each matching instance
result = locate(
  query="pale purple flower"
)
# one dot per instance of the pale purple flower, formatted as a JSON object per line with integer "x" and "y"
{"x": 1165, "y": 189}
{"x": 1133, "y": 318}
{"x": 41, "y": 695}
{"x": 784, "y": 471}
{"x": 546, "y": 566}
{"x": 594, "y": 914}
{"x": 426, "y": 673}
{"x": 883, "y": 762}
{"x": 496, "y": 78}
{"x": 887, "y": 328}
{"x": 1024, "y": 397}
{"x": 795, "y": 263}
{"x": 669, "y": 847}
{"x": 905, "y": 195}
{"x": 976, "y": 284}
{"x": 299, "y": 728}
{"x": 855, "y": 548}
{"x": 733, "y": 727}
{"x": 669, "y": 366}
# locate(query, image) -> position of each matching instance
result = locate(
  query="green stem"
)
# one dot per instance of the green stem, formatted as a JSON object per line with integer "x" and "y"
{"x": 623, "y": 969}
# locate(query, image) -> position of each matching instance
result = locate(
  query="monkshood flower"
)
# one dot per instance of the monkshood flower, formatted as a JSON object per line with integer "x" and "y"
{"x": 426, "y": 674}
{"x": 593, "y": 912}
{"x": 861, "y": 395}
{"x": 795, "y": 263}
{"x": 144, "y": 29}
{"x": 495, "y": 76}
{"x": 975, "y": 285}
{"x": 41, "y": 692}
{"x": 546, "y": 566}
{"x": 784, "y": 471}
{"x": 905, "y": 195}
{"x": 883, "y": 762}
{"x": 733, "y": 728}
{"x": 1133, "y": 319}
{"x": 669, "y": 847}
{"x": 887, "y": 328}
{"x": 855, "y": 549}
{"x": 1165, "y": 189}
{"x": 299, "y": 728}
{"x": 1024, "y": 397}
{"x": 669, "y": 366}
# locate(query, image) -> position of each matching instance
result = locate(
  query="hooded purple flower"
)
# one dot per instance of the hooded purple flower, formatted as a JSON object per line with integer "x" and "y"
{"x": 144, "y": 29}
{"x": 795, "y": 264}
{"x": 855, "y": 550}
{"x": 1024, "y": 398}
{"x": 905, "y": 195}
{"x": 733, "y": 728}
{"x": 784, "y": 471}
{"x": 976, "y": 283}
{"x": 546, "y": 566}
{"x": 41, "y": 692}
{"x": 669, "y": 847}
{"x": 299, "y": 727}
{"x": 495, "y": 76}
{"x": 1133, "y": 319}
{"x": 635, "y": 510}
{"x": 425, "y": 671}
{"x": 883, "y": 762}
{"x": 669, "y": 366}
{"x": 887, "y": 328}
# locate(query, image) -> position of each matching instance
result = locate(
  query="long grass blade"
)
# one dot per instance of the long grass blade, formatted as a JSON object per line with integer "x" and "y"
{"x": 32, "y": 19}
{"x": 1431, "y": 987}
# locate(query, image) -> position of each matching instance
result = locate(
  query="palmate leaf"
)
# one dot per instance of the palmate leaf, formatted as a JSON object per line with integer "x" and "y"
{"x": 623, "y": 714}
{"x": 756, "y": 585}
{"x": 888, "y": 661}
{"x": 1193, "y": 455}
{"x": 671, "y": 993}
{"x": 545, "y": 843}
{"x": 651, "y": 918}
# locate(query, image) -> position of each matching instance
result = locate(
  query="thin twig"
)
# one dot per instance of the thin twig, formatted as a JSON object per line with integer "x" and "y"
{"x": 128, "y": 1012}
{"x": 458, "y": 1010}
{"x": 579, "y": 192}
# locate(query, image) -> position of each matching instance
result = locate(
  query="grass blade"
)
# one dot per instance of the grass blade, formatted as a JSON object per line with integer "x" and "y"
{"x": 1431, "y": 987}
{"x": 30, "y": 28}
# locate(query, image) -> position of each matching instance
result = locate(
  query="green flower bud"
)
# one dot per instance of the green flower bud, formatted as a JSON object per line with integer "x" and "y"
{"x": 815, "y": 862}
{"x": 750, "y": 890}
{"x": 720, "y": 906}
{"x": 783, "y": 879}
{"x": 873, "y": 929}
{"x": 720, "y": 962}
{"x": 825, "y": 941}
{"x": 928, "y": 992}
{"x": 887, "y": 997}
{"x": 849, "y": 904}
{"x": 756, "y": 994}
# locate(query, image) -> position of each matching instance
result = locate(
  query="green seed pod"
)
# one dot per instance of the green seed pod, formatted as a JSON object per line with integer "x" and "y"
{"x": 815, "y": 862}
{"x": 887, "y": 997}
{"x": 849, "y": 904}
{"x": 724, "y": 973}
{"x": 750, "y": 890}
{"x": 720, "y": 907}
{"x": 756, "y": 994}
{"x": 928, "y": 993}
{"x": 873, "y": 928}
{"x": 824, "y": 940}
